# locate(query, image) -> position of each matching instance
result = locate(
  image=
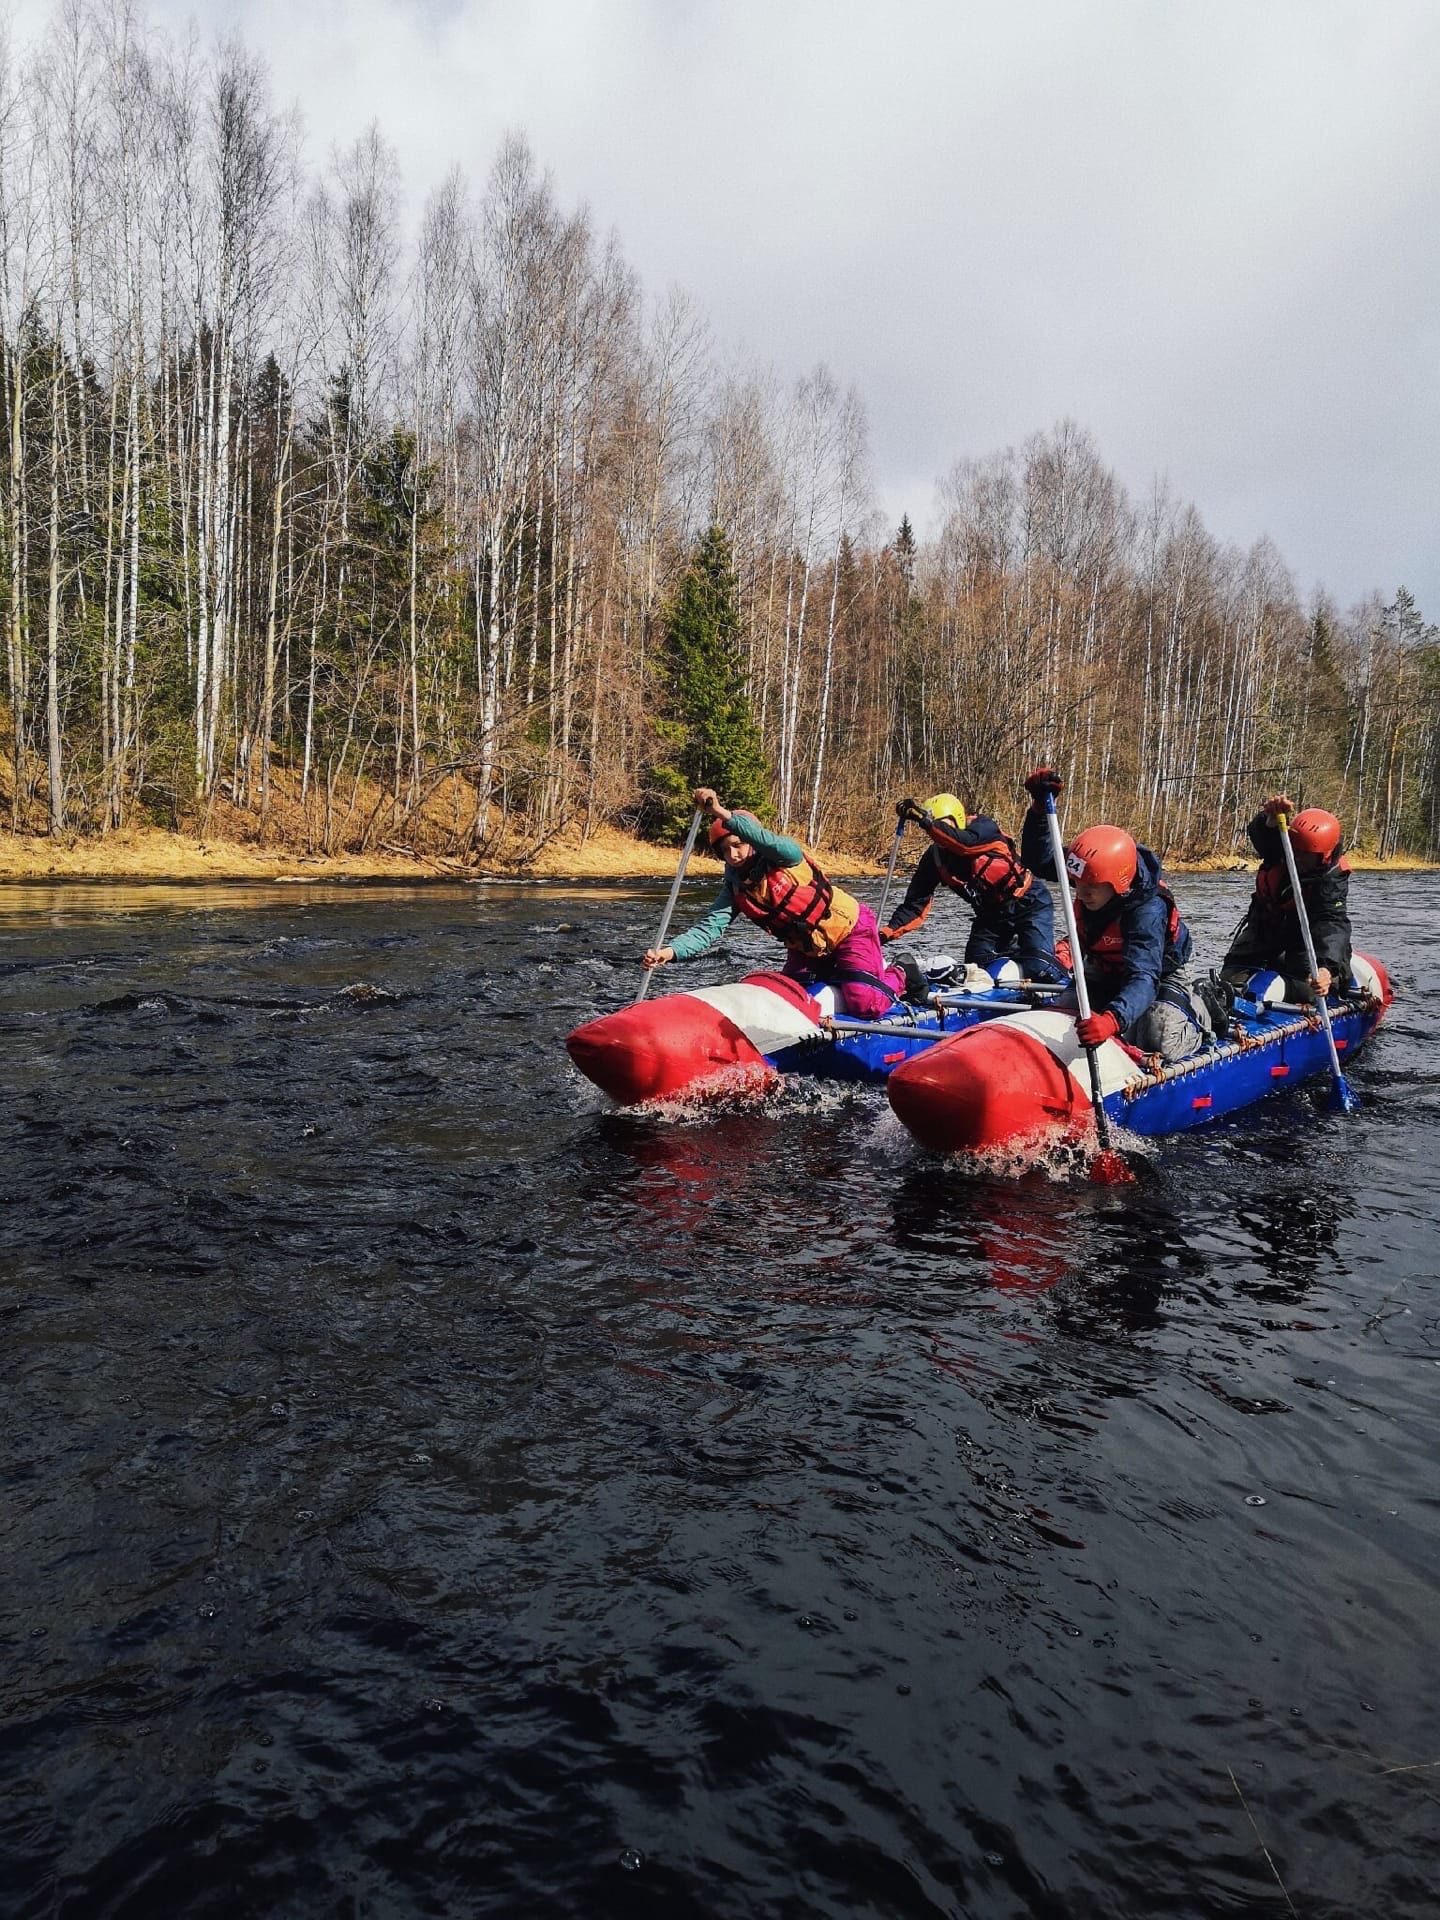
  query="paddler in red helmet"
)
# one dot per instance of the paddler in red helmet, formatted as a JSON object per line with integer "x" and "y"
{"x": 1269, "y": 936}
{"x": 1014, "y": 915}
{"x": 828, "y": 935}
{"x": 1136, "y": 948}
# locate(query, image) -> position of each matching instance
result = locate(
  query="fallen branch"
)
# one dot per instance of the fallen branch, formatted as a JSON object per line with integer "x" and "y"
{"x": 1261, "y": 1844}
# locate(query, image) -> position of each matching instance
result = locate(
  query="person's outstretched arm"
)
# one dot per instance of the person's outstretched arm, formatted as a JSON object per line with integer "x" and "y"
{"x": 706, "y": 933}
{"x": 914, "y": 909}
{"x": 777, "y": 847}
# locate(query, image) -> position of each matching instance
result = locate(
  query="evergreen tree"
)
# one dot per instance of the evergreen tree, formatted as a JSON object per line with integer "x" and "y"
{"x": 904, "y": 549}
{"x": 707, "y": 734}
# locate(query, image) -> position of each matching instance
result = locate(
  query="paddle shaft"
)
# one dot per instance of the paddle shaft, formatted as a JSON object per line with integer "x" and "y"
{"x": 1282, "y": 821}
{"x": 1040, "y": 990}
{"x": 836, "y": 1029}
{"x": 1077, "y": 966}
{"x": 670, "y": 903}
{"x": 959, "y": 1003}
{"x": 890, "y": 873}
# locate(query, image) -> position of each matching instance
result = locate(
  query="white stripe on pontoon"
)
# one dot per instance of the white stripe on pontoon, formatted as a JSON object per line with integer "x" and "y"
{"x": 1365, "y": 975}
{"x": 1056, "y": 1032}
{"x": 767, "y": 1020}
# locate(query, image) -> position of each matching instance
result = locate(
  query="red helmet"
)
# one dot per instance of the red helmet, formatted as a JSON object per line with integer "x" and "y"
{"x": 717, "y": 831}
{"x": 1103, "y": 854}
{"x": 1315, "y": 831}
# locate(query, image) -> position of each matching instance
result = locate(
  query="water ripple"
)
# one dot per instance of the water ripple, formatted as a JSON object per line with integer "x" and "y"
{"x": 427, "y": 1491}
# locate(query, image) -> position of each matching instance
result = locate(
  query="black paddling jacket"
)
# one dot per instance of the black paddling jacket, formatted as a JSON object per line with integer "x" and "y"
{"x": 979, "y": 863}
{"x": 1271, "y": 920}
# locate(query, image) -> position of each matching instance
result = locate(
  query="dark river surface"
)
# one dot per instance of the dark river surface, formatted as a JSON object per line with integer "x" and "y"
{"x": 426, "y": 1491}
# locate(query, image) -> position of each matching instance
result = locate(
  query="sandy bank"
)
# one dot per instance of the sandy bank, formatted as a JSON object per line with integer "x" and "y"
{"x": 150, "y": 854}
{"x": 143, "y": 854}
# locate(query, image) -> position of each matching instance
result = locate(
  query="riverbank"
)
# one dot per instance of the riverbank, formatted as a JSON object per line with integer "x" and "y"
{"x": 141, "y": 854}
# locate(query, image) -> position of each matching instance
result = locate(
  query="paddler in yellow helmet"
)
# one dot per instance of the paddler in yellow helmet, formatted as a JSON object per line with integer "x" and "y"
{"x": 829, "y": 936}
{"x": 1014, "y": 917}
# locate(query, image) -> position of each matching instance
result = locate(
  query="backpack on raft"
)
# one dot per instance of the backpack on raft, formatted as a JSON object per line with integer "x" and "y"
{"x": 1217, "y": 997}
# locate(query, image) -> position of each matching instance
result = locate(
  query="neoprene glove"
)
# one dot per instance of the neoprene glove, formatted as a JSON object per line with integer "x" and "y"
{"x": 909, "y": 810}
{"x": 887, "y": 934}
{"x": 1097, "y": 1029}
{"x": 1042, "y": 781}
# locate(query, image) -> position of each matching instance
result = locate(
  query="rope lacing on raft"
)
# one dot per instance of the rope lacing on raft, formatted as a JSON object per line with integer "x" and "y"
{"x": 1249, "y": 1043}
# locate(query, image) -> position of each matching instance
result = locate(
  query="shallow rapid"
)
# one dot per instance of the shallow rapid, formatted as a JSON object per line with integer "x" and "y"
{"x": 428, "y": 1491}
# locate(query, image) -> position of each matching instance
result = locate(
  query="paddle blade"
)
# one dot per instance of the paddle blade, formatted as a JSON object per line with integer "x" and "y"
{"x": 1111, "y": 1169}
{"x": 1343, "y": 1098}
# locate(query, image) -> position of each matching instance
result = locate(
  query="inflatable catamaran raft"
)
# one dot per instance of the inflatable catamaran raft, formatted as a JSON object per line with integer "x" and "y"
{"x": 972, "y": 1072}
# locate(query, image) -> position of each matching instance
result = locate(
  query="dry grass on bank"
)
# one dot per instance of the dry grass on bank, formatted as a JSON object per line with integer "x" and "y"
{"x": 369, "y": 840}
{"x": 369, "y": 837}
{"x": 138, "y": 854}
{"x": 228, "y": 845}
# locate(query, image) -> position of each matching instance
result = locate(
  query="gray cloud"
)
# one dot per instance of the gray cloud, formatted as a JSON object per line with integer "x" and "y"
{"x": 1206, "y": 229}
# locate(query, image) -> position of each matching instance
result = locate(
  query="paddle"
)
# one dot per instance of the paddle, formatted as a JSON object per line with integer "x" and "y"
{"x": 1108, "y": 1167}
{"x": 890, "y": 870}
{"x": 925, "y": 1036}
{"x": 1342, "y": 1099}
{"x": 959, "y": 1002}
{"x": 1035, "y": 992}
{"x": 670, "y": 903}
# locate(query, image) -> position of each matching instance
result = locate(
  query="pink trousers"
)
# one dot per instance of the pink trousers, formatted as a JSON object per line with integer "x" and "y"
{"x": 858, "y": 952}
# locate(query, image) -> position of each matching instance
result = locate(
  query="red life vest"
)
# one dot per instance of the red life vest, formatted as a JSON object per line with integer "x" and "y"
{"x": 983, "y": 872}
{"x": 1102, "y": 939}
{"x": 1275, "y": 899}
{"x": 798, "y": 905}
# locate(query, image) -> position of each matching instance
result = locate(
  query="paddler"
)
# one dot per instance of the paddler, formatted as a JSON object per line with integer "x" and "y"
{"x": 1014, "y": 916}
{"x": 1269, "y": 937}
{"x": 829, "y": 937}
{"x": 1135, "y": 947}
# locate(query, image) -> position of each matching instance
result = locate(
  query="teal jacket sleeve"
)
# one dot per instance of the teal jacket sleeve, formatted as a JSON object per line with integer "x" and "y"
{"x": 778, "y": 848}
{"x": 775, "y": 849}
{"x": 712, "y": 929}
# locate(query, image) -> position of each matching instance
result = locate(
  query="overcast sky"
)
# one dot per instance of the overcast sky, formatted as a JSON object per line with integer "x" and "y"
{"x": 1209, "y": 230}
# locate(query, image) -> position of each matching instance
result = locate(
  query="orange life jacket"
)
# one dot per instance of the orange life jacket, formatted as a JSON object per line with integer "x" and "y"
{"x": 983, "y": 873}
{"x": 798, "y": 905}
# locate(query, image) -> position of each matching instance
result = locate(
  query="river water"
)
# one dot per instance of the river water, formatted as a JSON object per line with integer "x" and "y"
{"x": 429, "y": 1492}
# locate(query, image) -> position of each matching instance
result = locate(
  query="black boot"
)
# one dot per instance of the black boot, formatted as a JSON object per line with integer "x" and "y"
{"x": 917, "y": 987}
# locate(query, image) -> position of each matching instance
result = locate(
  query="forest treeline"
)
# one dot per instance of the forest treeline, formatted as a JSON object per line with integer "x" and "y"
{"x": 389, "y": 539}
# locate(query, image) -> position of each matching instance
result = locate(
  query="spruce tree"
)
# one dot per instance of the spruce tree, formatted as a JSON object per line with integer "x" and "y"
{"x": 706, "y": 733}
{"x": 904, "y": 549}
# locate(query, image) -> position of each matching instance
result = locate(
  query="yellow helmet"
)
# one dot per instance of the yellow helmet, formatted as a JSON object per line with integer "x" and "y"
{"x": 944, "y": 806}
